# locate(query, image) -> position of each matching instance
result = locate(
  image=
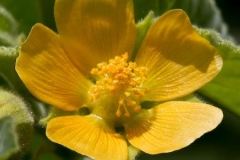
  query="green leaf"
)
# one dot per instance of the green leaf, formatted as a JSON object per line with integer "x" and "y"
{"x": 8, "y": 138}
{"x": 7, "y": 22}
{"x": 8, "y": 28}
{"x": 203, "y": 13}
{"x": 224, "y": 89}
{"x": 26, "y": 12}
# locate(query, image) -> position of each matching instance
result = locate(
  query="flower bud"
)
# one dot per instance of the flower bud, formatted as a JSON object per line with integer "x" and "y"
{"x": 16, "y": 125}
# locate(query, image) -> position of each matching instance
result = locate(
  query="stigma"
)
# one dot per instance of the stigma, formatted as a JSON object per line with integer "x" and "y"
{"x": 122, "y": 78}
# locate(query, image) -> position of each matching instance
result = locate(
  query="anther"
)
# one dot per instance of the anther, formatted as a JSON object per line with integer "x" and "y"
{"x": 118, "y": 113}
{"x": 120, "y": 77}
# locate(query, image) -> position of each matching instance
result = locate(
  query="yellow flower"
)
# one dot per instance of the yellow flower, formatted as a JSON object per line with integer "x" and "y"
{"x": 89, "y": 64}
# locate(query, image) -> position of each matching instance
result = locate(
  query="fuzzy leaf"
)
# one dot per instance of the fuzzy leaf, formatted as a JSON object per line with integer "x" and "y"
{"x": 224, "y": 89}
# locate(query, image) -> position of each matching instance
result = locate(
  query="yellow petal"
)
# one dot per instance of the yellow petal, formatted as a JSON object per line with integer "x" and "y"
{"x": 171, "y": 126}
{"x": 94, "y": 31}
{"x": 179, "y": 61}
{"x": 88, "y": 135}
{"x": 48, "y": 73}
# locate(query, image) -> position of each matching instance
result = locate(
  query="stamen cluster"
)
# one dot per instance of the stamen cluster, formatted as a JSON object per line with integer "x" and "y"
{"x": 120, "y": 76}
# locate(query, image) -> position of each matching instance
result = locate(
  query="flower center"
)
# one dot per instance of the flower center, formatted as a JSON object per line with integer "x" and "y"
{"x": 123, "y": 78}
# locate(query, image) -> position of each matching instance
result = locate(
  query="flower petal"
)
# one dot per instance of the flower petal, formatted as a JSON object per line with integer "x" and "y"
{"x": 94, "y": 31}
{"x": 48, "y": 73}
{"x": 171, "y": 126}
{"x": 178, "y": 59}
{"x": 88, "y": 135}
